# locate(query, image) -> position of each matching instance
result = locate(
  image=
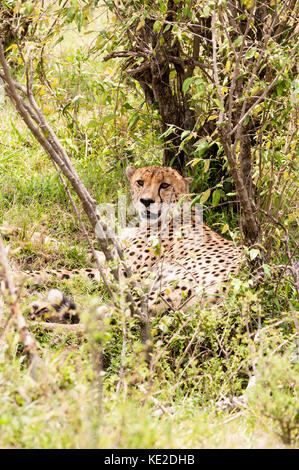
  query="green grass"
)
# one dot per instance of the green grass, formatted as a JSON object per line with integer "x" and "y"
{"x": 63, "y": 413}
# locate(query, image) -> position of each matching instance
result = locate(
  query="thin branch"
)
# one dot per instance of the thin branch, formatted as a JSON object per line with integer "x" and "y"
{"x": 35, "y": 120}
{"x": 11, "y": 298}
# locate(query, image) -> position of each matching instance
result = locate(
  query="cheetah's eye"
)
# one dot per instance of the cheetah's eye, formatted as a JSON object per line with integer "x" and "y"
{"x": 164, "y": 185}
{"x": 140, "y": 182}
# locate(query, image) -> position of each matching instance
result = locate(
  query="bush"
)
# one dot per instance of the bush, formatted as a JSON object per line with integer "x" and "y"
{"x": 274, "y": 400}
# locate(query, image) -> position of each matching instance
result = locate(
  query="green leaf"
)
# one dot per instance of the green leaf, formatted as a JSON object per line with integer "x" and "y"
{"x": 157, "y": 26}
{"x": 236, "y": 283}
{"x": 93, "y": 123}
{"x": 163, "y": 7}
{"x": 29, "y": 7}
{"x": 206, "y": 166}
{"x": 237, "y": 42}
{"x": 201, "y": 147}
{"x": 267, "y": 270}
{"x": 279, "y": 88}
{"x": 133, "y": 121}
{"x": 187, "y": 12}
{"x": 127, "y": 106}
{"x": 185, "y": 134}
{"x": 140, "y": 24}
{"x": 216, "y": 197}
{"x": 200, "y": 89}
{"x": 253, "y": 253}
{"x": 168, "y": 132}
{"x": 205, "y": 12}
{"x": 250, "y": 53}
{"x": 58, "y": 41}
{"x": 186, "y": 84}
{"x": 225, "y": 228}
{"x": 109, "y": 117}
{"x": 205, "y": 196}
{"x": 80, "y": 20}
{"x": 71, "y": 13}
{"x": 219, "y": 104}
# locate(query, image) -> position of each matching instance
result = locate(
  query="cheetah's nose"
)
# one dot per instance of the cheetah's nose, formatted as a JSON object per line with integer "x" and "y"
{"x": 147, "y": 202}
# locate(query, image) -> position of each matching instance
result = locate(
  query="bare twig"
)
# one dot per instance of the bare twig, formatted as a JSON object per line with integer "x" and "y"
{"x": 123, "y": 355}
{"x": 293, "y": 265}
{"x": 154, "y": 400}
{"x": 11, "y": 298}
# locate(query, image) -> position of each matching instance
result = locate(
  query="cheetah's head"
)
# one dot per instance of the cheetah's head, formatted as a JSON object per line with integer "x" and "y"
{"x": 155, "y": 186}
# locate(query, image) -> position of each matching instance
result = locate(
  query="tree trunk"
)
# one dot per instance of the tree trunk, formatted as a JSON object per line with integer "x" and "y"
{"x": 161, "y": 53}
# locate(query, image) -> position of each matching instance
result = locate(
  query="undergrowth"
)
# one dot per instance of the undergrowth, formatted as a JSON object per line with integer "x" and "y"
{"x": 202, "y": 359}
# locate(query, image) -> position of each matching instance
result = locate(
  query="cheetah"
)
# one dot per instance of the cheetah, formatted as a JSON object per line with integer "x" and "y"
{"x": 184, "y": 260}
{"x": 179, "y": 260}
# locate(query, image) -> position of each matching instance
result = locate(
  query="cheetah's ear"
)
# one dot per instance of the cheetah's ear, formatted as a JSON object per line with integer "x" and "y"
{"x": 130, "y": 170}
{"x": 188, "y": 181}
